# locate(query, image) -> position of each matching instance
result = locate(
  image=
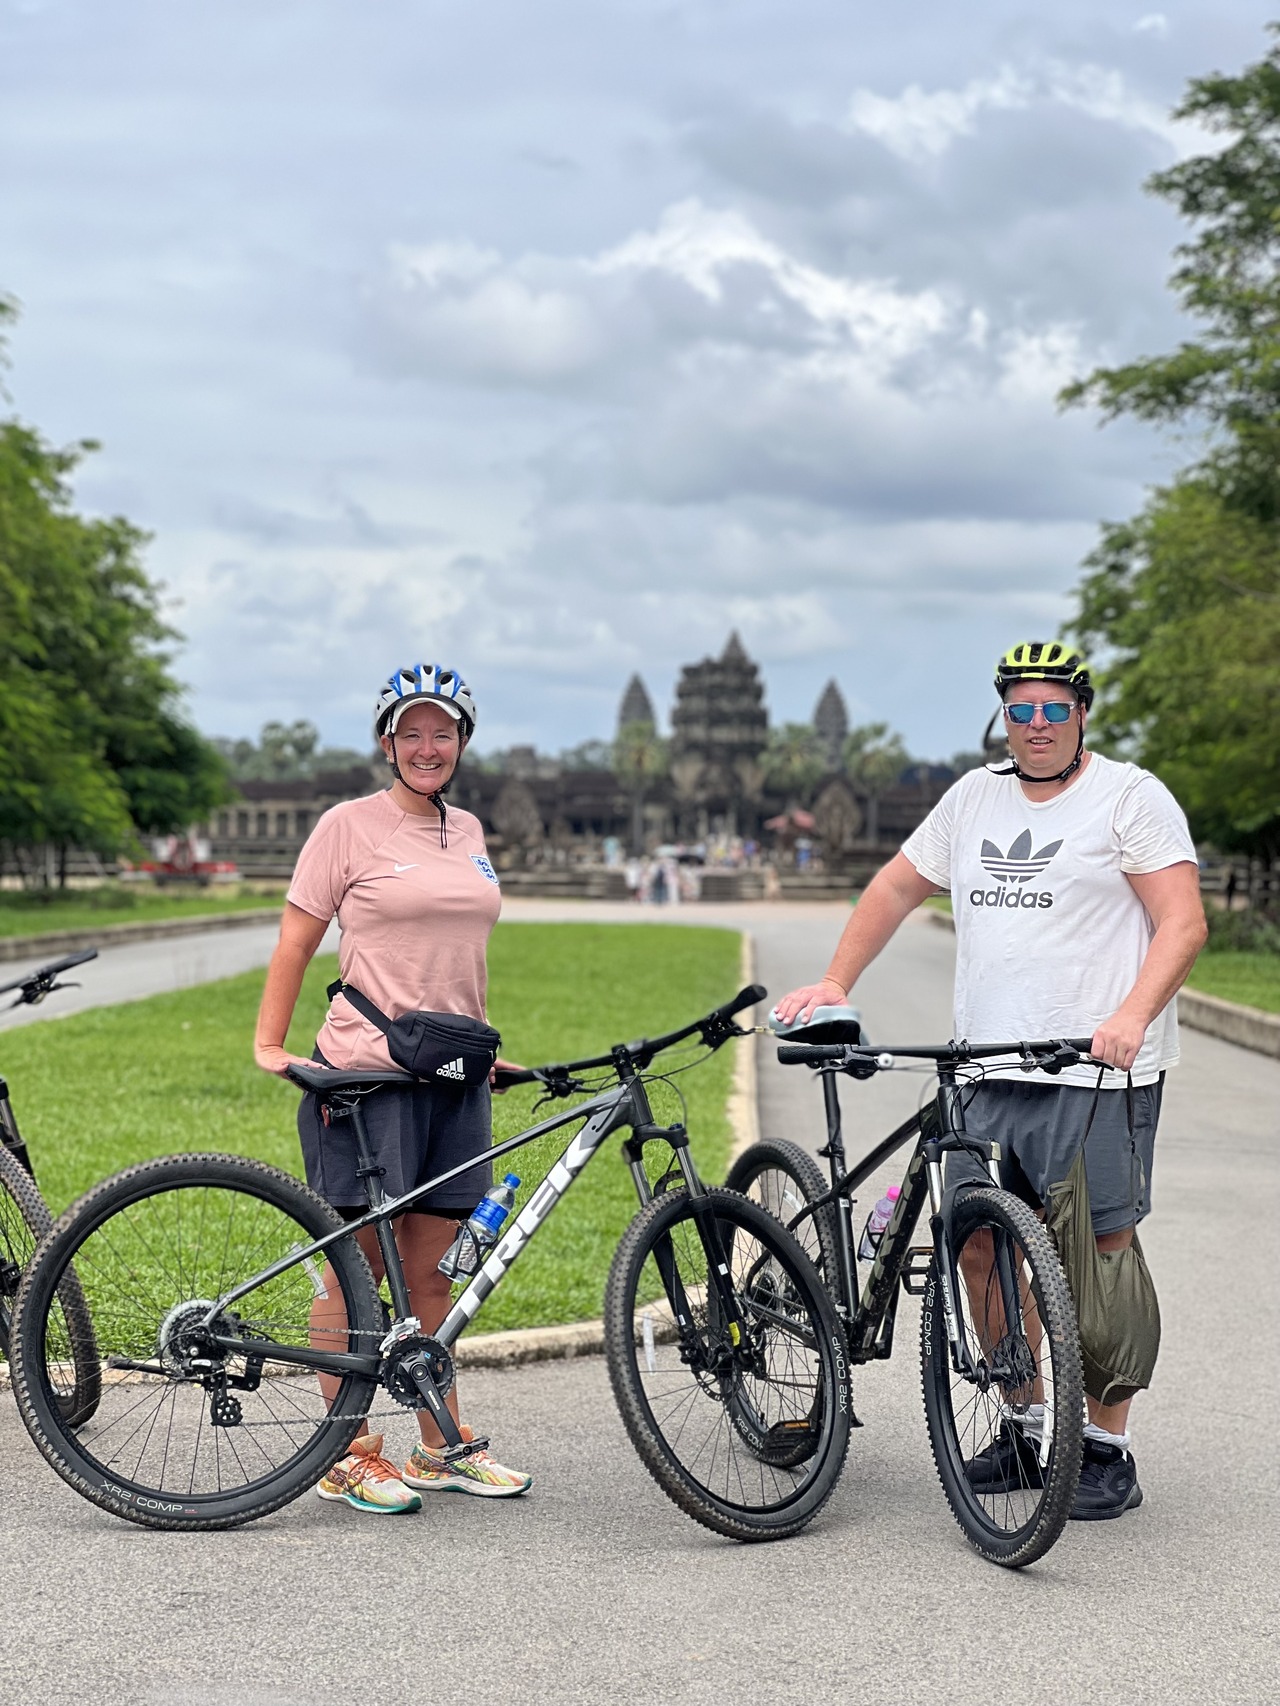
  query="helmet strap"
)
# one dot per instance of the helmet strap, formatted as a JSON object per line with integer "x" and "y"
{"x": 435, "y": 795}
{"x": 1014, "y": 769}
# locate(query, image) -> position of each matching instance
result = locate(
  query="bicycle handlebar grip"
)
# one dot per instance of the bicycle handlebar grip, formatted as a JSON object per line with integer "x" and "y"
{"x": 505, "y": 1077}
{"x": 748, "y": 997}
{"x": 77, "y": 959}
{"x": 800, "y": 1054}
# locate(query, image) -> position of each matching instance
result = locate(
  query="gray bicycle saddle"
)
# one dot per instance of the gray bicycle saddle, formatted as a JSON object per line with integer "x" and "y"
{"x": 825, "y": 1025}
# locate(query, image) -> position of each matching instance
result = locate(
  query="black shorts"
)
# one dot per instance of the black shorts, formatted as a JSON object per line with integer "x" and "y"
{"x": 1039, "y": 1128}
{"x": 415, "y": 1134}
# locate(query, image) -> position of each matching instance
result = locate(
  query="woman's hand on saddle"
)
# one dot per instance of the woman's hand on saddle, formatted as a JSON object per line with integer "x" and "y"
{"x": 507, "y": 1066}
{"x": 801, "y": 1002}
{"x": 275, "y": 1058}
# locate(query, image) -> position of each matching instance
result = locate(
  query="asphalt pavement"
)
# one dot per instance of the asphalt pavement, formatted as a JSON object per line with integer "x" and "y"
{"x": 594, "y": 1588}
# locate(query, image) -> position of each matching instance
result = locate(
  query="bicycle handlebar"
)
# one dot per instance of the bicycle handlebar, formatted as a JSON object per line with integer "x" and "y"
{"x": 39, "y": 983}
{"x": 715, "y": 1028}
{"x": 952, "y": 1053}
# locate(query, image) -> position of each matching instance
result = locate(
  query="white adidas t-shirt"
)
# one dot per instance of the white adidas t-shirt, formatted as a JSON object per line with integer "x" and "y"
{"x": 1050, "y": 935}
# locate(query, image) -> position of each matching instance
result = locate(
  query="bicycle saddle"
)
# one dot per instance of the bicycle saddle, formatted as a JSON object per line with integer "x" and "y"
{"x": 825, "y": 1025}
{"x": 325, "y": 1080}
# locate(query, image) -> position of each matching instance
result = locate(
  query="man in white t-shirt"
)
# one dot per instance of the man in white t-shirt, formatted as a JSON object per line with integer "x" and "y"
{"x": 1076, "y": 898}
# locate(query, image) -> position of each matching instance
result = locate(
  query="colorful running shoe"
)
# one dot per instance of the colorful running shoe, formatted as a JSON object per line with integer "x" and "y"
{"x": 366, "y": 1480}
{"x": 477, "y": 1472}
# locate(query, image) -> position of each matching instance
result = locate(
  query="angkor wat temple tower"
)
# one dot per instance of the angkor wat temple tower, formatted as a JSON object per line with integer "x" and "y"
{"x": 719, "y": 729}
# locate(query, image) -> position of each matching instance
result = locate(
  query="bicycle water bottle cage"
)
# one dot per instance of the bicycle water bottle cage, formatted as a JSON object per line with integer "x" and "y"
{"x": 824, "y": 1025}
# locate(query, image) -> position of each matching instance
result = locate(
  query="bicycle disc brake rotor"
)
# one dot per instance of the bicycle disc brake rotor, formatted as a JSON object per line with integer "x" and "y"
{"x": 400, "y": 1383}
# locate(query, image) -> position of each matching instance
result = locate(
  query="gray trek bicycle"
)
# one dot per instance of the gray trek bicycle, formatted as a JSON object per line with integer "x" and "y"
{"x": 724, "y": 1351}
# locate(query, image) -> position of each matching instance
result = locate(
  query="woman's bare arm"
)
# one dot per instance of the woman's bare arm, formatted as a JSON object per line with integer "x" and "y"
{"x": 300, "y": 936}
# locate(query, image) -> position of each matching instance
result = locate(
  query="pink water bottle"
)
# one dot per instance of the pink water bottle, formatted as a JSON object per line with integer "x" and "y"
{"x": 877, "y": 1220}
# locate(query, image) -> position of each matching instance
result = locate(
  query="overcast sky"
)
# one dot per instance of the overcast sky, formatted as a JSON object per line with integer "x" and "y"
{"x": 554, "y": 341}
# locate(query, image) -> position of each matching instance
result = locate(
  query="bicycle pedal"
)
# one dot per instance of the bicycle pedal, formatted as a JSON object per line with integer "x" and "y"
{"x": 451, "y": 1453}
{"x": 915, "y": 1270}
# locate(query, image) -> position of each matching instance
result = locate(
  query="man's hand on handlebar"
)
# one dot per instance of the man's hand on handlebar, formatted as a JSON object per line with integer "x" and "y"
{"x": 825, "y": 993}
{"x": 1117, "y": 1041}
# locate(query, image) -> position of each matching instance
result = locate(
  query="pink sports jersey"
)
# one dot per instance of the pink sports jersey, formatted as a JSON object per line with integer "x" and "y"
{"x": 415, "y": 916}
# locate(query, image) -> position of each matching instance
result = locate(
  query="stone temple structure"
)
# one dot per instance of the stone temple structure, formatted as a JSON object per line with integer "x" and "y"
{"x": 636, "y": 706}
{"x": 831, "y": 724}
{"x": 719, "y": 730}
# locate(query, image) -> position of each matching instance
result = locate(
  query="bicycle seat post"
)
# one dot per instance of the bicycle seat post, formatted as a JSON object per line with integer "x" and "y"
{"x": 835, "y": 1138}
{"x": 368, "y": 1170}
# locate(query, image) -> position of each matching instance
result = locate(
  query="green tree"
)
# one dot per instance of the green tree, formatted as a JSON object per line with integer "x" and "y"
{"x": 874, "y": 758}
{"x": 794, "y": 762}
{"x": 1184, "y": 599}
{"x": 94, "y": 742}
{"x": 640, "y": 758}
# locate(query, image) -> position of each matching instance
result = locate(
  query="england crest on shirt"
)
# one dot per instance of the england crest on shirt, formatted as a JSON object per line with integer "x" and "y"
{"x": 485, "y": 869}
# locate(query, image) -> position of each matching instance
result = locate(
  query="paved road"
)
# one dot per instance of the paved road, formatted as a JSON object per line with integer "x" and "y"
{"x": 596, "y": 1589}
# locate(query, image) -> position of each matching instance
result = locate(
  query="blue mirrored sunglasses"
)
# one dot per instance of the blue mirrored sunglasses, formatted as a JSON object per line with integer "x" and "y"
{"x": 1056, "y": 711}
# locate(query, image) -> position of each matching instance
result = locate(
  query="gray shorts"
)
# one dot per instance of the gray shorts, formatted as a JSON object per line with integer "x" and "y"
{"x": 1039, "y": 1128}
{"x": 415, "y": 1134}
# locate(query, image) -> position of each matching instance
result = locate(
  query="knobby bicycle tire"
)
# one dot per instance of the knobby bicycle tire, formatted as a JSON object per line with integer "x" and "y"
{"x": 1013, "y": 1516}
{"x": 24, "y": 1221}
{"x": 783, "y": 1178}
{"x": 714, "y": 1418}
{"x": 156, "y": 1246}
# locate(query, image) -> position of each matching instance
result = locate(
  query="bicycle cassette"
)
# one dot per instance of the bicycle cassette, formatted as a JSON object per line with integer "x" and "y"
{"x": 398, "y": 1379}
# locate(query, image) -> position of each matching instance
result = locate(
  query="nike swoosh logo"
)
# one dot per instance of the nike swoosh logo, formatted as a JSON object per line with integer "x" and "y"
{"x": 406, "y": 867}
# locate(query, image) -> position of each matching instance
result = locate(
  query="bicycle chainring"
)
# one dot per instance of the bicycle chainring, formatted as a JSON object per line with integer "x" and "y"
{"x": 399, "y": 1382}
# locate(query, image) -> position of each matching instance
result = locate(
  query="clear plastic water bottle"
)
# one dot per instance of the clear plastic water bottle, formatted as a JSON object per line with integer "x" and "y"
{"x": 479, "y": 1233}
{"x": 877, "y": 1220}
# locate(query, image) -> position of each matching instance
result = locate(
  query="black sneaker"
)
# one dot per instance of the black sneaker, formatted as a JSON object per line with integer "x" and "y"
{"x": 1108, "y": 1483}
{"x": 1011, "y": 1463}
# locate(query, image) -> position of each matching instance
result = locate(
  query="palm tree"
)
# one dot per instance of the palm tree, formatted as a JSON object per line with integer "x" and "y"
{"x": 874, "y": 758}
{"x": 640, "y": 758}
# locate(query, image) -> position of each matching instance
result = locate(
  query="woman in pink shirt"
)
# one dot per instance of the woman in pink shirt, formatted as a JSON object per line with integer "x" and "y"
{"x": 416, "y": 898}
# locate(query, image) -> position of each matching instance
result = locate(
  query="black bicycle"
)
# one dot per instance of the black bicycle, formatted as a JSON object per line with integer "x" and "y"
{"x": 203, "y": 1271}
{"x": 999, "y": 1349}
{"x": 24, "y": 1221}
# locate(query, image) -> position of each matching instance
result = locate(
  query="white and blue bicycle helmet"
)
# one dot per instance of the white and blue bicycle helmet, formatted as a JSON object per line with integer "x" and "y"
{"x": 430, "y": 681}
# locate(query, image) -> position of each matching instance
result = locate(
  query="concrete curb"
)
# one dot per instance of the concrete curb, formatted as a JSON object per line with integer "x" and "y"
{"x": 55, "y": 942}
{"x": 1247, "y": 1027}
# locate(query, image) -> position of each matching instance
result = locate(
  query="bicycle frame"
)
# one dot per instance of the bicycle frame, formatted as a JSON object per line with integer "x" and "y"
{"x": 869, "y": 1318}
{"x": 625, "y": 1106}
{"x": 10, "y": 1136}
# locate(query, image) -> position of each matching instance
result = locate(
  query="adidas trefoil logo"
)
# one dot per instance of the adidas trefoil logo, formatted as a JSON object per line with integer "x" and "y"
{"x": 453, "y": 1070}
{"x": 1019, "y": 864}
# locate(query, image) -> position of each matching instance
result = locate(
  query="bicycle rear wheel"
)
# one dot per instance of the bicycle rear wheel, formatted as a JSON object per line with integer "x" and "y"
{"x": 740, "y": 1415}
{"x": 783, "y": 1178}
{"x": 1009, "y": 1469}
{"x": 191, "y": 1434}
{"x": 73, "y": 1354}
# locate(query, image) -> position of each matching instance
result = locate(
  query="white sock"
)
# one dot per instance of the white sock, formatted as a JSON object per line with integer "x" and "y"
{"x": 1102, "y": 1437}
{"x": 1031, "y": 1420}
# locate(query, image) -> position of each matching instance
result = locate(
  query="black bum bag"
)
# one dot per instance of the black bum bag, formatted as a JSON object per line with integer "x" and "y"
{"x": 447, "y": 1048}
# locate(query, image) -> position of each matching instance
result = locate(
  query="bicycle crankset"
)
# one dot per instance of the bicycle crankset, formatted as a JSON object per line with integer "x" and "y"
{"x": 397, "y": 1377}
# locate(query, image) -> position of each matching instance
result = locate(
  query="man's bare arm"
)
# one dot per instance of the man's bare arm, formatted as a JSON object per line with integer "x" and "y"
{"x": 1172, "y": 900}
{"x": 894, "y": 892}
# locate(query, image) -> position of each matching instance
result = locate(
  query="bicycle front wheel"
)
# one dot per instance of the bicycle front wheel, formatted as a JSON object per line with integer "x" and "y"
{"x": 73, "y": 1355}
{"x": 198, "y": 1427}
{"x": 736, "y": 1396}
{"x": 1007, "y": 1429}
{"x": 785, "y": 1179}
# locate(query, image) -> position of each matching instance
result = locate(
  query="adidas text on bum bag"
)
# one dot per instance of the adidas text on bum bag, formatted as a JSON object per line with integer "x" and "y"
{"x": 444, "y": 1048}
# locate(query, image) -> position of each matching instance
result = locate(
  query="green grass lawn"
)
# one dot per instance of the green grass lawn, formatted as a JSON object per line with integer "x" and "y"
{"x": 32, "y": 912}
{"x": 98, "y": 1091}
{"x": 1253, "y": 979}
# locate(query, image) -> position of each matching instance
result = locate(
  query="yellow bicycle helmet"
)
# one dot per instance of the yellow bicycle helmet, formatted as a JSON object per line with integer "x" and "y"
{"x": 1044, "y": 660}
